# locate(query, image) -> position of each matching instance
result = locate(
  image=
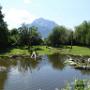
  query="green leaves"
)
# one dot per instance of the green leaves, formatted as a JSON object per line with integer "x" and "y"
{"x": 82, "y": 33}
{"x": 58, "y": 36}
{"x": 4, "y": 35}
{"x": 29, "y": 35}
{"x": 78, "y": 85}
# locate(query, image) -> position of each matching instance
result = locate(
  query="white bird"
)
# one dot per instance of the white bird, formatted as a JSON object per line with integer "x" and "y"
{"x": 88, "y": 59}
{"x": 33, "y": 55}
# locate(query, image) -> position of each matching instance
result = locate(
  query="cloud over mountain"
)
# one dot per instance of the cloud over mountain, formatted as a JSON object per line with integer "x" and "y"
{"x": 17, "y": 17}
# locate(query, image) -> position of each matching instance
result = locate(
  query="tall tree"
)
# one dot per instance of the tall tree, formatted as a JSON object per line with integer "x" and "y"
{"x": 14, "y": 36}
{"x": 3, "y": 31}
{"x": 81, "y": 32}
{"x": 58, "y": 36}
{"x": 29, "y": 35}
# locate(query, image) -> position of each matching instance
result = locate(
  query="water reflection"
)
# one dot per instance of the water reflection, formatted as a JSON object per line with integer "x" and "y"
{"x": 3, "y": 78}
{"x": 27, "y": 64}
{"x": 4, "y": 69}
{"x": 85, "y": 72}
{"x": 57, "y": 61}
{"x": 47, "y": 72}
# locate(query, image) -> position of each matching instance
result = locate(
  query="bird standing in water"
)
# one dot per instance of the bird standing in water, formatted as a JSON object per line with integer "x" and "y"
{"x": 33, "y": 55}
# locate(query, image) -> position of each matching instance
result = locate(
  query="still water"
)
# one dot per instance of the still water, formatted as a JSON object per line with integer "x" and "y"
{"x": 46, "y": 73}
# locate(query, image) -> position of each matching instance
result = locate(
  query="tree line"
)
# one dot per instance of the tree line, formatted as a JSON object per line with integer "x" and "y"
{"x": 63, "y": 36}
{"x": 28, "y": 36}
{"x": 22, "y": 36}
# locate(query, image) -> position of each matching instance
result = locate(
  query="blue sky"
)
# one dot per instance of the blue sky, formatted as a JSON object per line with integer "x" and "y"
{"x": 64, "y": 12}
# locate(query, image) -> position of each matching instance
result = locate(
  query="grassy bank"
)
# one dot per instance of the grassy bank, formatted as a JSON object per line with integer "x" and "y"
{"x": 77, "y": 50}
{"x": 41, "y": 50}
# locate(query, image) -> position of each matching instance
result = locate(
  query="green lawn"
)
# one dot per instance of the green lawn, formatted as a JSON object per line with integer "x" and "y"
{"x": 77, "y": 50}
{"x": 16, "y": 51}
{"x": 41, "y": 50}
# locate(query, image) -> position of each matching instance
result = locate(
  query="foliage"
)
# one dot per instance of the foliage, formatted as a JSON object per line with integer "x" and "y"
{"x": 82, "y": 34}
{"x": 58, "y": 36}
{"x": 63, "y": 36}
{"x": 14, "y": 37}
{"x": 29, "y": 35}
{"x": 78, "y": 85}
{"x": 3, "y": 31}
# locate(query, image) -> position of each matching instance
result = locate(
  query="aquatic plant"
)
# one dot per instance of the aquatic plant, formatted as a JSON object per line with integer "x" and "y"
{"x": 78, "y": 85}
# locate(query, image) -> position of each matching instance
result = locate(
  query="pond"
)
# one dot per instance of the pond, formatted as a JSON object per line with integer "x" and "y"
{"x": 47, "y": 73}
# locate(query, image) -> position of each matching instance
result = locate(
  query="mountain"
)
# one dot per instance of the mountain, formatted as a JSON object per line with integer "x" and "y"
{"x": 44, "y": 26}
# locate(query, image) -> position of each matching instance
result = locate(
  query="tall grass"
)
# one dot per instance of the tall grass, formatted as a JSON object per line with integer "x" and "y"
{"x": 78, "y": 85}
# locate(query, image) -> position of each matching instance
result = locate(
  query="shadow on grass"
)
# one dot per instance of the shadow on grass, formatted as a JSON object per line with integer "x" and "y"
{"x": 7, "y": 50}
{"x": 30, "y": 50}
{"x": 38, "y": 49}
{"x": 3, "y": 51}
{"x": 63, "y": 47}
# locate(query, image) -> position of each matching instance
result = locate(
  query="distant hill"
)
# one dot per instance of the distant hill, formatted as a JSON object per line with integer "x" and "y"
{"x": 44, "y": 26}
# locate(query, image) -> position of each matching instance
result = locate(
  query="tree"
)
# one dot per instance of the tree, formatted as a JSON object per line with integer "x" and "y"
{"x": 88, "y": 35}
{"x": 81, "y": 32}
{"x": 4, "y": 35}
{"x": 71, "y": 38}
{"x": 24, "y": 35}
{"x": 88, "y": 38}
{"x": 58, "y": 36}
{"x": 29, "y": 36}
{"x": 35, "y": 36}
{"x": 14, "y": 37}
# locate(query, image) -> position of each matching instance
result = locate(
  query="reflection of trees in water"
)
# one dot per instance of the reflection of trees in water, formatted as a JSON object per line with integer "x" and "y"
{"x": 3, "y": 74}
{"x": 22, "y": 65}
{"x": 6, "y": 63}
{"x": 27, "y": 64}
{"x": 84, "y": 72}
{"x": 3, "y": 78}
{"x": 57, "y": 61}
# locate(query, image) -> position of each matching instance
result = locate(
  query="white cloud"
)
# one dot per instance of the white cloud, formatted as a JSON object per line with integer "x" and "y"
{"x": 27, "y": 1}
{"x": 15, "y": 17}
